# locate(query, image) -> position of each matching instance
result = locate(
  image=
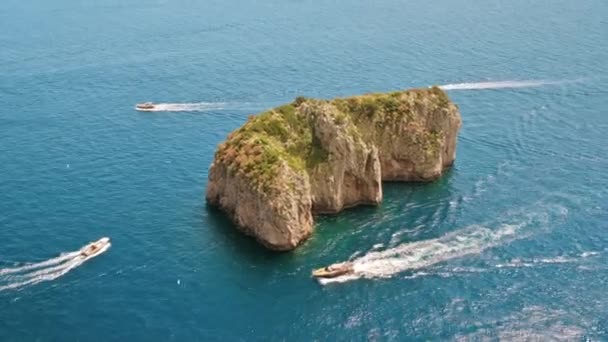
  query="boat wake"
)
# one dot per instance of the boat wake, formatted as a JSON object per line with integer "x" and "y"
{"x": 421, "y": 255}
{"x": 499, "y": 85}
{"x": 186, "y": 107}
{"x": 30, "y": 274}
{"x": 446, "y": 272}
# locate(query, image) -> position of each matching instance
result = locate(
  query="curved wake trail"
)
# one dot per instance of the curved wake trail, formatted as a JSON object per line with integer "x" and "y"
{"x": 13, "y": 278}
{"x": 418, "y": 255}
{"x": 499, "y": 85}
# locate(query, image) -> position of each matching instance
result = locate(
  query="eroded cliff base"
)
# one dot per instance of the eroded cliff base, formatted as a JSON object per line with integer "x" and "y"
{"x": 321, "y": 156}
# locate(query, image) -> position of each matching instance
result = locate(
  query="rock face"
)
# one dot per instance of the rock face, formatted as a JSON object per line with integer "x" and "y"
{"x": 350, "y": 173}
{"x": 279, "y": 220}
{"x": 321, "y": 156}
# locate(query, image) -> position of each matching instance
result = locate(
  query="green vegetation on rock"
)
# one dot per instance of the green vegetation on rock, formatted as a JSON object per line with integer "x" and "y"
{"x": 285, "y": 135}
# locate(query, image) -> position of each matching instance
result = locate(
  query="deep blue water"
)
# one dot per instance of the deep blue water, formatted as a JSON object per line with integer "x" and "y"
{"x": 527, "y": 199}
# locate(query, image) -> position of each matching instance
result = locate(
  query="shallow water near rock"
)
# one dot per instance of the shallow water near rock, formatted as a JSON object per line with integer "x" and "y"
{"x": 511, "y": 243}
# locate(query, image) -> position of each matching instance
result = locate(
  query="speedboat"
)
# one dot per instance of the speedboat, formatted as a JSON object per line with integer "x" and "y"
{"x": 95, "y": 248}
{"x": 146, "y": 106}
{"x": 334, "y": 270}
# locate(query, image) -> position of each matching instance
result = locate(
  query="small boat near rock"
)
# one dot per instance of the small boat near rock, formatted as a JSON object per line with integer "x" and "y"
{"x": 334, "y": 270}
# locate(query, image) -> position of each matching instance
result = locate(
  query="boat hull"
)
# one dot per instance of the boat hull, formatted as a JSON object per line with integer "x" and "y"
{"x": 95, "y": 248}
{"x": 333, "y": 271}
{"x": 145, "y": 107}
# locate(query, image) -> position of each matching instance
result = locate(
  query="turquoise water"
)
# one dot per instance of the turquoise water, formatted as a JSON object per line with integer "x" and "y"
{"x": 512, "y": 243}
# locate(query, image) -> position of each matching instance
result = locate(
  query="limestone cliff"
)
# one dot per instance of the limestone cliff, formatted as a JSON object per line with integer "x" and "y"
{"x": 321, "y": 156}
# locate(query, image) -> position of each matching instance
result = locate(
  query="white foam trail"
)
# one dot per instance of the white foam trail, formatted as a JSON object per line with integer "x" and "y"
{"x": 46, "y": 263}
{"x": 421, "y": 254}
{"x": 67, "y": 263}
{"x": 186, "y": 107}
{"x": 514, "y": 263}
{"x": 46, "y": 270}
{"x": 416, "y": 255}
{"x": 34, "y": 280}
{"x": 544, "y": 261}
{"x": 588, "y": 254}
{"x": 378, "y": 246}
{"x": 498, "y": 85}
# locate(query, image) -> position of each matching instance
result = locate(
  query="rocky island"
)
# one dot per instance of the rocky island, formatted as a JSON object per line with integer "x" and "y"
{"x": 322, "y": 156}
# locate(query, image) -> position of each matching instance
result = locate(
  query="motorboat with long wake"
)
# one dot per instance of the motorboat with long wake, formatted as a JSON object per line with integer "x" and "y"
{"x": 33, "y": 273}
{"x": 145, "y": 107}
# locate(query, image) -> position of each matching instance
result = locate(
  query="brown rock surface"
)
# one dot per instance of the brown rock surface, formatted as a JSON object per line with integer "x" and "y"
{"x": 322, "y": 156}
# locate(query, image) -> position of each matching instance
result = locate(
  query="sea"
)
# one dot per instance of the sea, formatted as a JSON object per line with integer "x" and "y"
{"x": 510, "y": 244}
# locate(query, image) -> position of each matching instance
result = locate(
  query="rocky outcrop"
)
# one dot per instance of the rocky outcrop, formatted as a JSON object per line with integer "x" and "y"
{"x": 279, "y": 220}
{"x": 320, "y": 156}
{"x": 350, "y": 174}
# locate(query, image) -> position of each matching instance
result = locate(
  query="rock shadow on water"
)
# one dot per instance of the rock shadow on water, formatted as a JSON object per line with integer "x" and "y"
{"x": 234, "y": 239}
{"x": 244, "y": 253}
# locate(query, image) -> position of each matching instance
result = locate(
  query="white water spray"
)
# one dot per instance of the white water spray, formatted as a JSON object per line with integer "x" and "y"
{"x": 499, "y": 85}
{"x": 185, "y": 107}
{"x": 18, "y": 277}
{"x": 50, "y": 262}
{"x": 420, "y": 255}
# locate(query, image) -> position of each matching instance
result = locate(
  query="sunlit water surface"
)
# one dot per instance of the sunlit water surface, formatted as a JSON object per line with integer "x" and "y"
{"x": 512, "y": 243}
